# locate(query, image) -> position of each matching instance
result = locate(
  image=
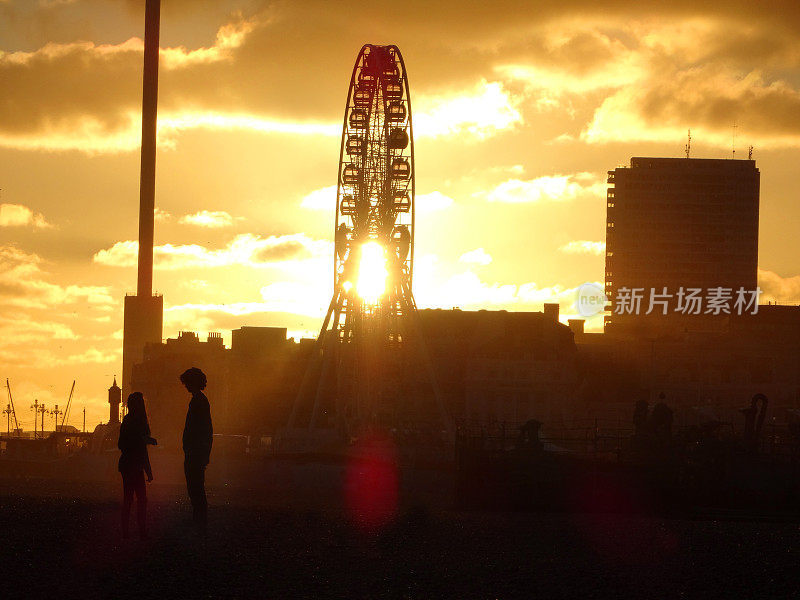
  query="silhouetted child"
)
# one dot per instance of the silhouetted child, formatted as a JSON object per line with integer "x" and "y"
{"x": 134, "y": 463}
{"x": 197, "y": 438}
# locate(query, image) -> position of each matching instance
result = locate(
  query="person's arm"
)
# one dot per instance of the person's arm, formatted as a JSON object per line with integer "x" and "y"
{"x": 147, "y": 468}
{"x": 210, "y": 434}
{"x": 124, "y": 441}
{"x": 206, "y": 434}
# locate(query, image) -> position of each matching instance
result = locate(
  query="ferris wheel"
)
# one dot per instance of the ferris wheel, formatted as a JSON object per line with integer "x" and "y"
{"x": 375, "y": 192}
{"x": 356, "y": 364}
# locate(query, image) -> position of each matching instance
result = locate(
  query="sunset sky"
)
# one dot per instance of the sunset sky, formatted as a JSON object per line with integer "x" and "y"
{"x": 519, "y": 110}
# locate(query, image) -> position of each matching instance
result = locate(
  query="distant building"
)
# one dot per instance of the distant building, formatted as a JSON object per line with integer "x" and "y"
{"x": 490, "y": 366}
{"x": 699, "y": 373}
{"x": 503, "y": 367}
{"x": 142, "y": 325}
{"x": 157, "y": 377}
{"x": 114, "y": 400}
{"x": 676, "y": 224}
{"x": 250, "y": 386}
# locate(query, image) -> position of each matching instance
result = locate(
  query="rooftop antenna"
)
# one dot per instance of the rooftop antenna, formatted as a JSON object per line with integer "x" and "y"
{"x": 688, "y": 146}
{"x": 750, "y": 153}
{"x": 733, "y": 141}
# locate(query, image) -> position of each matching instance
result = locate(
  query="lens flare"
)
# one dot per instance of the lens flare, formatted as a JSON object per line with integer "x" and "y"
{"x": 372, "y": 273}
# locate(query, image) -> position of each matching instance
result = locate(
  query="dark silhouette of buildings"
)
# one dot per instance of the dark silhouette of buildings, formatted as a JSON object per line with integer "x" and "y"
{"x": 252, "y": 384}
{"x": 679, "y": 223}
{"x": 701, "y": 373}
{"x": 144, "y": 312}
{"x": 499, "y": 366}
{"x": 491, "y": 367}
{"x": 157, "y": 378}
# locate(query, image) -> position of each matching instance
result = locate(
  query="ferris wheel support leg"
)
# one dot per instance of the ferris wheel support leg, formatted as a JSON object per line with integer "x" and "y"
{"x": 410, "y": 308}
{"x": 327, "y": 360}
{"x": 312, "y": 363}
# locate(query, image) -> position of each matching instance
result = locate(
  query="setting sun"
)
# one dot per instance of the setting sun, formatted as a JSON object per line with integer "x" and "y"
{"x": 372, "y": 273}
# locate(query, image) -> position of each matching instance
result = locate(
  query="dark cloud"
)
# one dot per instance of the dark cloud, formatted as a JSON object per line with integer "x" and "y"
{"x": 286, "y": 250}
{"x": 718, "y": 102}
{"x": 48, "y": 90}
{"x": 294, "y": 62}
{"x": 12, "y": 289}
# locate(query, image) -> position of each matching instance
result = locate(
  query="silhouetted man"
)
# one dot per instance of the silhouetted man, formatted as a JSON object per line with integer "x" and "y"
{"x": 197, "y": 437}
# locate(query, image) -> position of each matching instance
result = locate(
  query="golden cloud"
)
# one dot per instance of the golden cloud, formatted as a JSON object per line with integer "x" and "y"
{"x": 17, "y": 215}
{"x": 583, "y": 247}
{"x": 522, "y": 56}
{"x": 479, "y": 256}
{"x": 207, "y": 218}
{"x": 245, "y": 250}
{"x": 707, "y": 100}
{"x": 774, "y": 288}
{"x": 481, "y": 112}
{"x": 547, "y": 188}
{"x": 23, "y": 284}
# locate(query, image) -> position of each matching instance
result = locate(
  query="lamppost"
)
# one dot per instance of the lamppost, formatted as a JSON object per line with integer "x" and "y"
{"x": 7, "y": 411}
{"x": 43, "y": 410}
{"x": 55, "y": 412}
{"x": 35, "y": 407}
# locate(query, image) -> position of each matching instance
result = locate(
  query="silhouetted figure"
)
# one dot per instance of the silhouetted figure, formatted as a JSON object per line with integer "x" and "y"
{"x": 197, "y": 438}
{"x": 134, "y": 463}
{"x": 754, "y": 421}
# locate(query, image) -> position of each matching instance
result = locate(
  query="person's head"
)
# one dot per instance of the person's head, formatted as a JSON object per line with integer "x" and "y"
{"x": 194, "y": 379}
{"x": 137, "y": 410}
{"x": 136, "y": 404}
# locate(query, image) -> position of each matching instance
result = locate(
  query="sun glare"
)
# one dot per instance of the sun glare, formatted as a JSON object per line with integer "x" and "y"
{"x": 372, "y": 273}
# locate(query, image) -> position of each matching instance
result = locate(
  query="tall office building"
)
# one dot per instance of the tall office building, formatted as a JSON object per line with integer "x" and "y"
{"x": 681, "y": 242}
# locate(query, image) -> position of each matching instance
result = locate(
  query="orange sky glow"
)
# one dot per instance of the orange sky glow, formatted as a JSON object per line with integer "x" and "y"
{"x": 519, "y": 110}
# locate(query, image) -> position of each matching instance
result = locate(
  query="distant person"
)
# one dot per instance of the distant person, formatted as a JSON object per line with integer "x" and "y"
{"x": 134, "y": 463}
{"x": 197, "y": 438}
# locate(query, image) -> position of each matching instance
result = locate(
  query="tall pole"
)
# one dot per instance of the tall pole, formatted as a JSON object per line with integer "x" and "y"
{"x": 55, "y": 412}
{"x": 42, "y": 410}
{"x": 35, "y": 408}
{"x": 84, "y": 419}
{"x": 147, "y": 183}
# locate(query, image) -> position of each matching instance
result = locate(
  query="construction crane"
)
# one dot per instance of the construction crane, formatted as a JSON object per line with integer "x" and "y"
{"x": 69, "y": 403}
{"x": 14, "y": 412}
